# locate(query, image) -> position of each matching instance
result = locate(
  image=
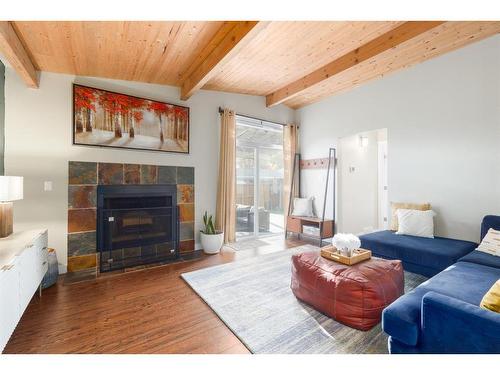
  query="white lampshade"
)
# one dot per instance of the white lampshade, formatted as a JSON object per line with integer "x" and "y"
{"x": 11, "y": 188}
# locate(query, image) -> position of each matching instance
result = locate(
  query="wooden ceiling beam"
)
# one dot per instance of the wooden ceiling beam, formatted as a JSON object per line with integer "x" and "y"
{"x": 13, "y": 50}
{"x": 384, "y": 42}
{"x": 226, "y": 43}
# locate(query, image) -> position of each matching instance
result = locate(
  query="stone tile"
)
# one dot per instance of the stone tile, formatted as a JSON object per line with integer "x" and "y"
{"x": 135, "y": 268}
{"x": 187, "y": 231}
{"x": 186, "y": 246}
{"x": 79, "y": 276}
{"x": 185, "y": 175}
{"x": 82, "y": 196}
{"x": 81, "y": 243}
{"x": 110, "y": 173}
{"x": 81, "y": 220}
{"x": 132, "y": 252}
{"x": 148, "y": 174}
{"x": 82, "y": 262}
{"x": 167, "y": 175}
{"x": 185, "y": 193}
{"x": 186, "y": 212}
{"x": 132, "y": 173}
{"x": 82, "y": 173}
{"x": 192, "y": 254}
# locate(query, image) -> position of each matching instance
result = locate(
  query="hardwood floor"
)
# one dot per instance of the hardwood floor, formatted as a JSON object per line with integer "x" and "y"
{"x": 146, "y": 311}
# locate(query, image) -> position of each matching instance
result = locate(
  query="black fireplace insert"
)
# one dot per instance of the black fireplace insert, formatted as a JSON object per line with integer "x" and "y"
{"x": 136, "y": 225}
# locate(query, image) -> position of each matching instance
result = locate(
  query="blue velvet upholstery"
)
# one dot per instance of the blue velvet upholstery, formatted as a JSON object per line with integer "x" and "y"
{"x": 442, "y": 315}
{"x": 450, "y": 325}
{"x": 480, "y": 257}
{"x": 465, "y": 281}
{"x": 425, "y": 256}
{"x": 489, "y": 221}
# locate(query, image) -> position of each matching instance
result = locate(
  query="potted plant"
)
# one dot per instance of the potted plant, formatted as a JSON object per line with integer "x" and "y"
{"x": 211, "y": 240}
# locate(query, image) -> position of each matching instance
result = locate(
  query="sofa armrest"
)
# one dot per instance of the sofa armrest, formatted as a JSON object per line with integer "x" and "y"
{"x": 453, "y": 326}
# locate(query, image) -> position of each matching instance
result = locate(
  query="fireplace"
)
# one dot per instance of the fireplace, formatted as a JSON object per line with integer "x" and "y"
{"x": 136, "y": 225}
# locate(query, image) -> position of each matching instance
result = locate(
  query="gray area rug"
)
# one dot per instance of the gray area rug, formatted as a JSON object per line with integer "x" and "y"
{"x": 253, "y": 298}
{"x": 247, "y": 244}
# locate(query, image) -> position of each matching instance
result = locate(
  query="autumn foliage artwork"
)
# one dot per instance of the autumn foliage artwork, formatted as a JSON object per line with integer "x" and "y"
{"x": 104, "y": 118}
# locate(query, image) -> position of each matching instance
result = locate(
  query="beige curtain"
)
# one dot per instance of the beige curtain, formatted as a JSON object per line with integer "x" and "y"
{"x": 290, "y": 147}
{"x": 225, "y": 215}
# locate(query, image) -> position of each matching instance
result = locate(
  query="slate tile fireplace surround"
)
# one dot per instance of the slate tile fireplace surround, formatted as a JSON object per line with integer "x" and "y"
{"x": 86, "y": 178}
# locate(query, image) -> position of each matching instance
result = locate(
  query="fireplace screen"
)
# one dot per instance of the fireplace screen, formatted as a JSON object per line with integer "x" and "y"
{"x": 137, "y": 224}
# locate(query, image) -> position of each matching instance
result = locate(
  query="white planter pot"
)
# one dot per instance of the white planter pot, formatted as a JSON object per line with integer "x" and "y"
{"x": 212, "y": 243}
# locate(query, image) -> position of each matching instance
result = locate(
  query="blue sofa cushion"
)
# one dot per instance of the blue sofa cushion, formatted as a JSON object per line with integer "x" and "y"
{"x": 435, "y": 253}
{"x": 480, "y": 257}
{"x": 450, "y": 325}
{"x": 489, "y": 221}
{"x": 465, "y": 281}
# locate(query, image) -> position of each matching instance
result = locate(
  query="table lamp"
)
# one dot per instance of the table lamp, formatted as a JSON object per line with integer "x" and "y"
{"x": 11, "y": 189}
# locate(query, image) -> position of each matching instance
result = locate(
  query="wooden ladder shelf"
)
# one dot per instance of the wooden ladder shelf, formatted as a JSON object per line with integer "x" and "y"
{"x": 295, "y": 224}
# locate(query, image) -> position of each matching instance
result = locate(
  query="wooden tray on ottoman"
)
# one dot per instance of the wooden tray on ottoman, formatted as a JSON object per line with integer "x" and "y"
{"x": 358, "y": 255}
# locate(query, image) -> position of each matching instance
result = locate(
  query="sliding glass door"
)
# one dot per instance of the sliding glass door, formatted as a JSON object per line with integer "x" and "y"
{"x": 259, "y": 178}
{"x": 245, "y": 190}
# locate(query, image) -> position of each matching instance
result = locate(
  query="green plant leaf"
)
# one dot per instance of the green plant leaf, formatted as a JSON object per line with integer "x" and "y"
{"x": 208, "y": 222}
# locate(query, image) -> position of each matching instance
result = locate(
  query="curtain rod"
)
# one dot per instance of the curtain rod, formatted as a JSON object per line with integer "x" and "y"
{"x": 221, "y": 110}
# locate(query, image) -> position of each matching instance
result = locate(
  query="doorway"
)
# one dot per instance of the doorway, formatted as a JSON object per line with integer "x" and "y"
{"x": 259, "y": 178}
{"x": 363, "y": 188}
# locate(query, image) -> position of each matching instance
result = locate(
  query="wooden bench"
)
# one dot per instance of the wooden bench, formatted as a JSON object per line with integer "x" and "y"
{"x": 295, "y": 224}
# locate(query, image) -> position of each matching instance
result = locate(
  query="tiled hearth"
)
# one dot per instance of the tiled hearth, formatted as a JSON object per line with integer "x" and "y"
{"x": 84, "y": 177}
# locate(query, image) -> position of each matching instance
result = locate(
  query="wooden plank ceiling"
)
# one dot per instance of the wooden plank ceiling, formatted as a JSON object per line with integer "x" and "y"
{"x": 154, "y": 52}
{"x": 291, "y": 62}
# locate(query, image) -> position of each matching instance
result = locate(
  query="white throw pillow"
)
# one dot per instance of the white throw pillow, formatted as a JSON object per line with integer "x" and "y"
{"x": 303, "y": 207}
{"x": 490, "y": 243}
{"x": 416, "y": 222}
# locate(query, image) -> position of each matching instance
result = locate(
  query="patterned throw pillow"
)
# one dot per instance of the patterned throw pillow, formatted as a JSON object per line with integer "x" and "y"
{"x": 407, "y": 206}
{"x": 491, "y": 243}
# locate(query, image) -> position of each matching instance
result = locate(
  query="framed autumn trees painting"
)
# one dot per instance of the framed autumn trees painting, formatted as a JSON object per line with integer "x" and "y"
{"x": 108, "y": 119}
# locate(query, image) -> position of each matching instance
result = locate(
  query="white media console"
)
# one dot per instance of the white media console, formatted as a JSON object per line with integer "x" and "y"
{"x": 23, "y": 264}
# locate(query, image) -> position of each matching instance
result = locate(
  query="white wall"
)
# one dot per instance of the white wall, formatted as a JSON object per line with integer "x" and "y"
{"x": 443, "y": 121}
{"x": 38, "y": 125}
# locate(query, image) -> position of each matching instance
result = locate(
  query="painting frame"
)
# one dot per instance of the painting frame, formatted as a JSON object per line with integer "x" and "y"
{"x": 75, "y": 141}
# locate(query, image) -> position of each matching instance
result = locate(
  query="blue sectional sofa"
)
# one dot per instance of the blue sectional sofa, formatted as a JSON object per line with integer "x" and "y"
{"x": 442, "y": 315}
{"x": 425, "y": 256}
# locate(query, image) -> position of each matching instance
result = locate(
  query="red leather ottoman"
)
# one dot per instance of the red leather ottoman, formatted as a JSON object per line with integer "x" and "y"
{"x": 353, "y": 295}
